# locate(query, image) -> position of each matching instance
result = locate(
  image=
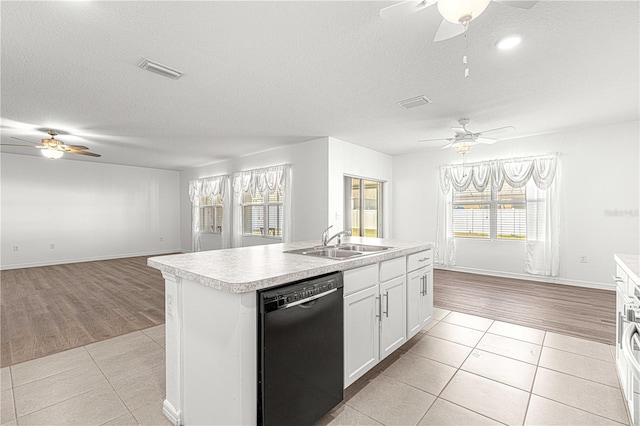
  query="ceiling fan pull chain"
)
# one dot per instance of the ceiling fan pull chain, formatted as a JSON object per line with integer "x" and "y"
{"x": 465, "y": 58}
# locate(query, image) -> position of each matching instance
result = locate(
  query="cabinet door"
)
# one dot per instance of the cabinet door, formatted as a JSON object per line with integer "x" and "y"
{"x": 361, "y": 333}
{"x": 414, "y": 302}
{"x": 426, "y": 301}
{"x": 393, "y": 323}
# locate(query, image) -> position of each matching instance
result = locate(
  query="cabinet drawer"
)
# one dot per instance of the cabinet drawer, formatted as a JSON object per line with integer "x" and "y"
{"x": 360, "y": 278}
{"x": 418, "y": 260}
{"x": 393, "y": 268}
{"x": 622, "y": 280}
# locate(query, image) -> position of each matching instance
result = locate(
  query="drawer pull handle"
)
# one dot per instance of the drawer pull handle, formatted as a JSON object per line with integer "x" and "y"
{"x": 423, "y": 259}
{"x": 617, "y": 279}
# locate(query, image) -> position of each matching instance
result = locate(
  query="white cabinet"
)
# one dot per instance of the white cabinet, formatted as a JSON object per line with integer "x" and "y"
{"x": 392, "y": 316}
{"x": 374, "y": 315}
{"x": 419, "y": 291}
{"x": 419, "y": 299}
{"x": 361, "y": 333}
{"x": 627, "y": 298}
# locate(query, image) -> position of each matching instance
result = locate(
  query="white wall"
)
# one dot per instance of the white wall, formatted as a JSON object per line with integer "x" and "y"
{"x": 309, "y": 185}
{"x": 349, "y": 159}
{"x": 87, "y": 210}
{"x": 599, "y": 174}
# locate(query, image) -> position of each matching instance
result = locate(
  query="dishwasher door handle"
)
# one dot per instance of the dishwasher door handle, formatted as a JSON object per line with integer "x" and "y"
{"x": 308, "y": 299}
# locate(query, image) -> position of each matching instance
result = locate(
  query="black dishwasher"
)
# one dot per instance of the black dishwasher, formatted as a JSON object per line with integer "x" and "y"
{"x": 300, "y": 351}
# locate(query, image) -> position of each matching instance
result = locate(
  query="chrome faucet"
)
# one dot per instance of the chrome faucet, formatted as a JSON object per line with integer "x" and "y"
{"x": 339, "y": 236}
{"x": 325, "y": 235}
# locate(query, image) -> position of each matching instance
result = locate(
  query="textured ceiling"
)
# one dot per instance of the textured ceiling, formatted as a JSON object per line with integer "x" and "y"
{"x": 267, "y": 74}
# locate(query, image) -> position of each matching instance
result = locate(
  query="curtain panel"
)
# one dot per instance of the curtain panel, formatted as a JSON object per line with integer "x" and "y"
{"x": 540, "y": 176}
{"x": 207, "y": 187}
{"x": 262, "y": 181}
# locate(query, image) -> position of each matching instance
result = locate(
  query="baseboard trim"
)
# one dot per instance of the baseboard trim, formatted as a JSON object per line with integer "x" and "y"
{"x": 85, "y": 259}
{"x": 550, "y": 280}
{"x": 171, "y": 413}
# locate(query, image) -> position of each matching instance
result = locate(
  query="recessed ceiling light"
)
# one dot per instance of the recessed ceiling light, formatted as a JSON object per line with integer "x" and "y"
{"x": 509, "y": 42}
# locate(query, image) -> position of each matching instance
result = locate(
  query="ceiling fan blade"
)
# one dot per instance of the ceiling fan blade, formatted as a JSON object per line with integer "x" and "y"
{"x": 459, "y": 130}
{"x": 90, "y": 154}
{"x": 62, "y": 147}
{"x": 24, "y": 140}
{"x": 522, "y": 4}
{"x": 403, "y": 9}
{"x": 487, "y": 141}
{"x": 15, "y": 144}
{"x": 448, "y": 30}
{"x": 498, "y": 129}
{"x": 437, "y": 140}
{"x": 449, "y": 145}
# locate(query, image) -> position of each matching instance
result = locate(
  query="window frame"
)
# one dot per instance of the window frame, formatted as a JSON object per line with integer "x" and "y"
{"x": 348, "y": 187}
{"x": 217, "y": 205}
{"x": 265, "y": 204}
{"x": 494, "y": 203}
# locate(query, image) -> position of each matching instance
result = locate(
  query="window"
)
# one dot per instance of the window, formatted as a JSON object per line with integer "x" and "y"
{"x": 258, "y": 209}
{"x": 211, "y": 214}
{"x": 490, "y": 214}
{"x": 363, "y": 207}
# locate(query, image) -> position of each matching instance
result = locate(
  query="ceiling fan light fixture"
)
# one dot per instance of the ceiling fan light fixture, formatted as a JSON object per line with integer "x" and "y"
{"x": 52, "y": 154}
{"x": 508, "y": 42}
{"x": 463, "y": 146}
{"x": 461, "y": 11}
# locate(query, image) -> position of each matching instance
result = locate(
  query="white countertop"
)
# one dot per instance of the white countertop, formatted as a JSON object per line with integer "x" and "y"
{"x": 631, "y": 265}
{"x": 245, "y": 269}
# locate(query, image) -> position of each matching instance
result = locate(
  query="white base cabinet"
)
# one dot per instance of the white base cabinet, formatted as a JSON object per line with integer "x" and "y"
{"x": 419, "y": 291}
{"x": 419, "y": 300}
{"x": 361, "y": 333}
{"x": 393, "y": 318}
{"x": 374, "y": 316}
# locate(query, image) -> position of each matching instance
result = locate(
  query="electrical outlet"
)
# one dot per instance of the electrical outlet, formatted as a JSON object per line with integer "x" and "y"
{"x": 583, "y": 258}
{"x": 15, "y": 248}
{"x": 52, "y": 246}
{"x": 161, "y": 239}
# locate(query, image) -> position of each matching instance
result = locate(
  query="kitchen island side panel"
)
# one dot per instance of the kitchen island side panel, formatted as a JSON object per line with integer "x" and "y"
{"x": 219, "y": 356}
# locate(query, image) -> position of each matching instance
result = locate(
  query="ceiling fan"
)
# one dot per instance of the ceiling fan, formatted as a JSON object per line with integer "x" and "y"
{"x": 53, "y": 148}
{"x": 456, "y": 13}
{"x": 465, "y": 139}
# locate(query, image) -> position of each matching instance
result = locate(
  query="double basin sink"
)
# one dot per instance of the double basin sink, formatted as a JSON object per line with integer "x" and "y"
{"x": 342, "y": 251}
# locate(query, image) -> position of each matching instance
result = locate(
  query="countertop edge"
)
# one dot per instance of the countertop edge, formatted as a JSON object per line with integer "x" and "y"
{"x": 254, "y": 285}
{"x": 630, "y": 263}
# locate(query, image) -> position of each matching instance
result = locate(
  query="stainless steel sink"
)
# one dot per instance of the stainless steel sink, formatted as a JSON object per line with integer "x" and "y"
{"x": 362, "y": 247}
{"x": 343, "y": 251}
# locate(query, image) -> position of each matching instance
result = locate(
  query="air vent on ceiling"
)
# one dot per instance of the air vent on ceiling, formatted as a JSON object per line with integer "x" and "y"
{"x": 164, "y": 70}
{"x": 415, "y": 102}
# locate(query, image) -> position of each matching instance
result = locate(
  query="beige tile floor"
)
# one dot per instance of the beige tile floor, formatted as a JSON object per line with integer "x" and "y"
{"x": 461, "y": 370}
{"x": 467, "y": 370}
{"x": 119, "y": 381}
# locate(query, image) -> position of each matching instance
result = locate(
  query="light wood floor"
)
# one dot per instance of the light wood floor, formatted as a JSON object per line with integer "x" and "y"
{"x": 50, "y": 309}
{"x": 577, "y": 311}
{"x": 54, "y": 308}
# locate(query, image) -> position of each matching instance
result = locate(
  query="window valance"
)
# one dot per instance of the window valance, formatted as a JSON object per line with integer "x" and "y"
{"x": 260, "y": 180}
{"x": 207, "y": 186}
{"x": 516, "y": 172}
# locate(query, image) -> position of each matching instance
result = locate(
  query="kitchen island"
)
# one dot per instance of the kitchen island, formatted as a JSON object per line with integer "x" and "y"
{"x": 211, "y": 318}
